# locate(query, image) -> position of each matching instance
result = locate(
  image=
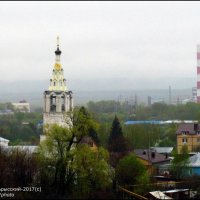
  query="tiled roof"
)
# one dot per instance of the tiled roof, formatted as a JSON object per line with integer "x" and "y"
{"x": 190, "y": 127}
{"x": 151, "y": 156}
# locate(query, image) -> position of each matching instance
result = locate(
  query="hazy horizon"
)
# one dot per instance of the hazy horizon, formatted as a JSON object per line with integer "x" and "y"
{"x": 103, "y": 84}
{"x": 88, "y": 90}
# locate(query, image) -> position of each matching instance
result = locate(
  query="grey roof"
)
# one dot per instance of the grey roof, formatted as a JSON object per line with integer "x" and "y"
{"x": 3, "y": 140}
{"x": 151, "y": 156}
{"x": 176, "y": 190}
{"x": 194, "y": 161}
{"x": 162, "y": 149}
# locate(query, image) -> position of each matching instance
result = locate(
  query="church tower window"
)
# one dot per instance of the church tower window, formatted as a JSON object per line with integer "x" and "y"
{"x": 53, "y": 103}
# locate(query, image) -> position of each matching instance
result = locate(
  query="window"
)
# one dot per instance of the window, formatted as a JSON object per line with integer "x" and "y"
{"x": 198, "y": 132}
{"x": 198, "y": 139}
{"x": 54, "y": 83}
{"x": 185, "y": 132}
{"x": 184, "y": 140}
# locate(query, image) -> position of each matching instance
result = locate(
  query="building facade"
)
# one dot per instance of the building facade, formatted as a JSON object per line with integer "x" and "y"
{"x": 3, "y": 142}
{"x": 22, "y": 106}
{"x": 57, "y": 99}
{"x": 188, "y": 134}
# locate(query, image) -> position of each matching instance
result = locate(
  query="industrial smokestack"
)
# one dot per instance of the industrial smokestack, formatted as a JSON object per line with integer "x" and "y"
{"x": 149, "y": 101}
{"x": 170, "y": 95}
{"x": 198, "y": 73}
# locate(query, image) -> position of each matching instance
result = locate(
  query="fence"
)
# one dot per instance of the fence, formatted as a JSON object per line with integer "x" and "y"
{"x": 137, "y": 191}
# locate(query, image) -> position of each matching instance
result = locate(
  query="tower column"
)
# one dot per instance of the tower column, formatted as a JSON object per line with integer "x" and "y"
{"x": 44, "y": 105}
{"x": 71, "y": 101}
{"x": 47, "y": 103}
{"x": 67, "y": 103}
{"x": 58, "y": 104}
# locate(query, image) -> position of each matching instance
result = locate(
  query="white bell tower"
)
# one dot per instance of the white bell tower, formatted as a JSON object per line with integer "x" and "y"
{"x": 57, "y": 99}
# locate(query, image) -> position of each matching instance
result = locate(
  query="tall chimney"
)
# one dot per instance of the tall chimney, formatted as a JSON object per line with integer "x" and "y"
{"x": 198, "y": 73}
{"x": 170, "y": 95}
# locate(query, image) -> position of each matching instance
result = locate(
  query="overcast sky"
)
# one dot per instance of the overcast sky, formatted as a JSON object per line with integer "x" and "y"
{"x": 99, "y": 39}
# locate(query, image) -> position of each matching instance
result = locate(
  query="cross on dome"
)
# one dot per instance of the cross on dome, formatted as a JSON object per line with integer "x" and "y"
{"x": 57, "y": 41}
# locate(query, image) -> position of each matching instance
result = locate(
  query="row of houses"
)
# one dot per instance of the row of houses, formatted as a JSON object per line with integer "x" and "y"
{"x": 156, "y": 159}
{"x": 158, "y": 164}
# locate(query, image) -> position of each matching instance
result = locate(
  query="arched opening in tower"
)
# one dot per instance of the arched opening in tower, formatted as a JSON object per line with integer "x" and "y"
{"x": 53, "y": 103}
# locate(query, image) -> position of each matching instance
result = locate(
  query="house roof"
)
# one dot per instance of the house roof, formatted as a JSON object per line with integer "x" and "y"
{"x": 190, "y": 127}
{"x": 176, "y": 190}
{"x": 3, "y": 140}
{"x": 159, "y": 195}
{"x": 194, "y": 161}
{"x": 162, "y": 149}
{"x": 151, "y": 156}
{"x": 86, "y": 140}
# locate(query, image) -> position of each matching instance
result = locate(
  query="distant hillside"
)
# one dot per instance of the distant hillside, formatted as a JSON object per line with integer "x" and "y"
{"x": 101, "y": 89}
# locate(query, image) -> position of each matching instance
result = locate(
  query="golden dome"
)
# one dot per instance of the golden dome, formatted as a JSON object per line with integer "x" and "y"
{"x": 57, "y": 66}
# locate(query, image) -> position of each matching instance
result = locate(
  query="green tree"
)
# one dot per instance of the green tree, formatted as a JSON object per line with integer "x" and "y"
{"x": 116, "y": 141}
{"x": 57, "y": 151}
{"x": 116, "y": 130}
{"x": 168, "y": 136}
{"x": 142, "y": 135}
{"x": 103, "y": 133}
{"x": 131, "y": 171}
{"x": 179, "y": 163}
{"x": 17, "y": 168}
{"x": 93, "y": 134}
{"x": 54, "y": 151}
{"x": 93, "y": 172}
{"x": 92, "y": 130}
